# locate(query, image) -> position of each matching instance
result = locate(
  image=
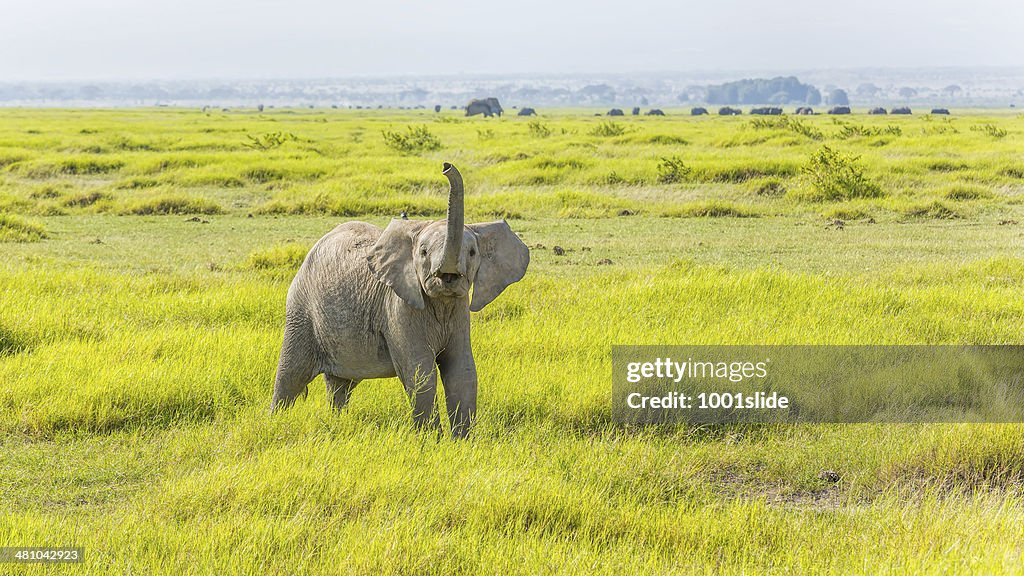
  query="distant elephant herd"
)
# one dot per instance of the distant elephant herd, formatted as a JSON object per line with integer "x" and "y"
{"x": 491, "y": 107}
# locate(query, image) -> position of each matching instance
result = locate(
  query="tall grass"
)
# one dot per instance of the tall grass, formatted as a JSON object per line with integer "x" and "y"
{"x": 138, "y": 349}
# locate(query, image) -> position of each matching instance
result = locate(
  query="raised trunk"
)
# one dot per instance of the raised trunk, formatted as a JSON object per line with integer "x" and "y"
{"x": 453, "y": 239}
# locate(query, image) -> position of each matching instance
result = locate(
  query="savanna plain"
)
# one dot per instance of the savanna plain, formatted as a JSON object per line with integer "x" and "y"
{"x": 145, "y": 256}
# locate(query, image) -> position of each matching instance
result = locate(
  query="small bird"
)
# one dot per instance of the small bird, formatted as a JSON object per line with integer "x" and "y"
{"x": 404, "y": 215}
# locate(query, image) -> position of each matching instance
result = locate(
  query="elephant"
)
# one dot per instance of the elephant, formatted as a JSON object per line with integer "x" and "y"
{"x": 655, "y": 112}
{"x": 729, "y": 111}
{"x": 805, "y": 111}
{"x": 766, "y": 111}
{"x": 877, "y": 111}
{"x": 615, "y": 112}
{"x": 943, "y": 111}
{"x": 527, "y": 112}
{"x": 636, "y": 110}
{"x": 486, "y": 106}
{"x": 839, "y": 110}
{"x": 371, "y": 303}
{"x": 901, "y": 110}
{"x": 698, "y": 111}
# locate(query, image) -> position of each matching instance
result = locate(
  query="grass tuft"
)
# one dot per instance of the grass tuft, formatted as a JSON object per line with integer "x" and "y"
{"x": 14, "y": 228}
{"x": 171, "y": 204}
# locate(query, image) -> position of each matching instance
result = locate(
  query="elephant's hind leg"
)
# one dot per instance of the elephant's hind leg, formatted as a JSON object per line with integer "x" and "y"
{"x": 296, "y": 368}
{"x": 339, "y": 390}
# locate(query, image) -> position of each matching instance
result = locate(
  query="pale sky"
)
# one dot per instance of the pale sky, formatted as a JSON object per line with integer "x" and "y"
{"x": 234, "y": 39}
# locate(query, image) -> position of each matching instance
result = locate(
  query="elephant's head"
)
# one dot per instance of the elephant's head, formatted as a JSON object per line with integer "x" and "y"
{"x": 444, "y": 258}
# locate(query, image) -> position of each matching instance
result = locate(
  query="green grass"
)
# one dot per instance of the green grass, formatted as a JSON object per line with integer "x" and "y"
{"x": 138, "y": 346}
{"x": 16, "y": 229}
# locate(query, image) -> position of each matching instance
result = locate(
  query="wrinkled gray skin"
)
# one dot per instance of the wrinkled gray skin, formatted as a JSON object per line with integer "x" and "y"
{"x": 486, "y": 106}
{"x": 368, "y": 303}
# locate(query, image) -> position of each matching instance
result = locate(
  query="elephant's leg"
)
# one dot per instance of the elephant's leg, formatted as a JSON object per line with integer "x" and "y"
{"x": 339, "y": 390}
{"x": 296, "y": 368}
{"x": 420, "y": 382}
{"x": 458, "y": 376}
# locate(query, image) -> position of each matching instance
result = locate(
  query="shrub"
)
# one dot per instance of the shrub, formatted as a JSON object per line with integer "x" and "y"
{"x": 787, "y": 123}
{"x": 990, "y": 129}
{"x": 608, "y": 130}
{"x": 671, "y": 170}
{"x": 415, "y": 139}
{"x": 836, "y": 176}
{"x": 538, "y": 129}
{"x": 268, "y": 141}
{"x": 16, "y": 229}
{"x": 857, "y": 130}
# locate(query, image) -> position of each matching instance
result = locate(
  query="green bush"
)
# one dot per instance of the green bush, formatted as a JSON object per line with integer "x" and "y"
{"x": 671, "y": 170}
{"x": 608, "y": 129}
{"x": 268, "y": 141}
{"x": 415, "y": 139}
{"x": 832, "y": 175}
{"x": 538, "y": 129}
{"x": 856, "y": 130}
{"x": 789, "y": 124}
{"x": 990, "y": 129}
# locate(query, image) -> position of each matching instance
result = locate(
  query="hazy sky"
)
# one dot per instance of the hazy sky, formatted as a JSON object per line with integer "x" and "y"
{"x": 148, "y": 39}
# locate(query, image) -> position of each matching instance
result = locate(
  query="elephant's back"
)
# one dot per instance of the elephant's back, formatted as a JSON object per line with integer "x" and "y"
{"x": 345, "y": 247}
{"x": 336, "y": 262}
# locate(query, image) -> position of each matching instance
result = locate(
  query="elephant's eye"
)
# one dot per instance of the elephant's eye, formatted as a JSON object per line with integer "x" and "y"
{"x": 472, "y": 252}
{"x": 423, "y": 252}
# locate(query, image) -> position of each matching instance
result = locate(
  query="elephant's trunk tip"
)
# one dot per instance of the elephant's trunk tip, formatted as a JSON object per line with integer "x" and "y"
{"x": 446, "y": 167}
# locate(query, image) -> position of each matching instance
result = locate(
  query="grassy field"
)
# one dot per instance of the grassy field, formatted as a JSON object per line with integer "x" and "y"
{"x": 144, "y": 261}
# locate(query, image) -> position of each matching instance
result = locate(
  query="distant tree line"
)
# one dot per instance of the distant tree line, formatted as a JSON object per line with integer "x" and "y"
{"x": 778, "y": 90}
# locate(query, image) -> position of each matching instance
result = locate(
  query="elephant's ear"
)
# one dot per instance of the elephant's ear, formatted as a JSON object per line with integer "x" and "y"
{"x": 503, "y": 261}
{"x": 391, "y": 260}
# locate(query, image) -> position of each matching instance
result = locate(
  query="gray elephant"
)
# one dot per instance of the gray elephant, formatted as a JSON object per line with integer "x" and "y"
{"x": 372, "y": 303}
{"x": 486, "y": 106}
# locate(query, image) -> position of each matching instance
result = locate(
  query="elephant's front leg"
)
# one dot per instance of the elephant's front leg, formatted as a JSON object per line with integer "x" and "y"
{"x": 458, "y": 374}
{"x": 420, "y": 380}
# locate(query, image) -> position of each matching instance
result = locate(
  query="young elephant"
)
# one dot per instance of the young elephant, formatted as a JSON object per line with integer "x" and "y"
{"x": 368, "y": 303}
